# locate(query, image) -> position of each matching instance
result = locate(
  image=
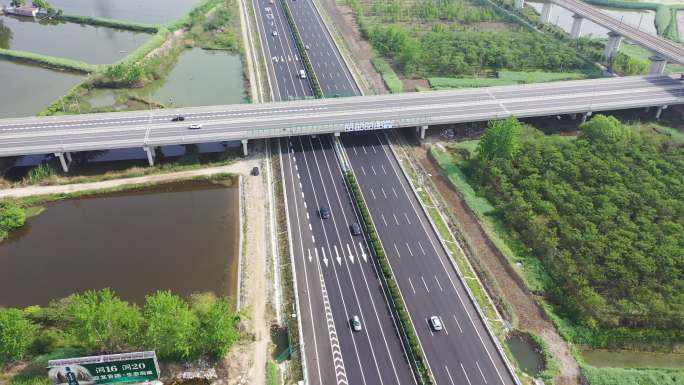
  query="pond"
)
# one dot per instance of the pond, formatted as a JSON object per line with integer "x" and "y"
{"x": 148, "y": 11}
{"x": 179, "y": 236}
{"x": 28, "y": 89}
{"x": 525, "y": 354}
{"x": 199, "y": 78}
{"x": 633, "y": 359}
{"x": 95, "y": 45}
{"x": 641, "y": 19}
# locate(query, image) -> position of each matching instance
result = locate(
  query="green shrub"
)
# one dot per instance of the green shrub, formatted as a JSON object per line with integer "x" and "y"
{"x": 171, "y": 329}
{"x": 16, "y": 335}
{"x": 50, "y": 61}
{"x": 11, "y": 217}
{"x": 390, "y": 78}
{"x": 624, "y": 376}
{"x": 112, "y": 23}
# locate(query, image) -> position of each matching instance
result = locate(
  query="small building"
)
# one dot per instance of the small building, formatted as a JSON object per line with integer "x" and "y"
{"x": 24, "y": 10}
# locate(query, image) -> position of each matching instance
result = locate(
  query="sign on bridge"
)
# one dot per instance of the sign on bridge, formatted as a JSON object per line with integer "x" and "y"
{"x": 370, "y": 125}
{"x": 114, "y": 368}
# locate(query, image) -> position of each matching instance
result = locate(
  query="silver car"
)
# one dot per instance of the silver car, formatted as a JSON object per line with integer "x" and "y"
{"x": 356, "y": 323}
{"x": 436, "y": 323}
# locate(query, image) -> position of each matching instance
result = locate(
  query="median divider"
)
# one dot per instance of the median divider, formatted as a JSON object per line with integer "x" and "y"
{"x": 405, "y": 328}
{"x": 315, "y": 85}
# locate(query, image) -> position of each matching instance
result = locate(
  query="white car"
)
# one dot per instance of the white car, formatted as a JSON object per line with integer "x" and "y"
{"x": 195, "y": 126}
{"x": 356, "y": 323}
{"x": 274, "y": 33}
{"x": 436, "y": 323}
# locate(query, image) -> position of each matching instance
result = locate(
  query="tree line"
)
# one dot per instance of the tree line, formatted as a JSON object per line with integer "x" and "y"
{"x": 603, "y": 213}
{"x": 98, "y": 322}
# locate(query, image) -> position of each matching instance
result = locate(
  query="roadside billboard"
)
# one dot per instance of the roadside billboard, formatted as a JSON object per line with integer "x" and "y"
{"x": 109, "y": 369}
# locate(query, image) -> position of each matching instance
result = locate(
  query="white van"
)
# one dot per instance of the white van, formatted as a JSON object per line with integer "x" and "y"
{"x": 302, "y": 74}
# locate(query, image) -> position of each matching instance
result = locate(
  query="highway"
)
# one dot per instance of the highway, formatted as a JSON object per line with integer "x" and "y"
{"x": 665, "y": 48}
{"x": 334, "y": 278}
{"x": 463, "y": 353}
{"x": 42, "y": 135}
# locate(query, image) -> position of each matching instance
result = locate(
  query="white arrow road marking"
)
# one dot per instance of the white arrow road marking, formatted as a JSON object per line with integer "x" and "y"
{"x": 363, "y": 253}
{"x": 351, "y": 256}
{"x": 339, "y": 259}
{"x": 340, "y": 371}
{"x": 325, "y": 259}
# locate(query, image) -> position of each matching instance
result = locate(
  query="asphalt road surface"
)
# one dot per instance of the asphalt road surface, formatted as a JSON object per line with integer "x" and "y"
{"x": 462, "y": 353}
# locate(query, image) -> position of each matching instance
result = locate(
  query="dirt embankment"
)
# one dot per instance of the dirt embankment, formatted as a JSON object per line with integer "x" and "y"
{"x": 528, "y": 316}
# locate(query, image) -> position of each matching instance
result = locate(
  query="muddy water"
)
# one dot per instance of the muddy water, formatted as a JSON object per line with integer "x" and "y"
{"x": 528, "y": 358}
{"x": 180, "y": 236}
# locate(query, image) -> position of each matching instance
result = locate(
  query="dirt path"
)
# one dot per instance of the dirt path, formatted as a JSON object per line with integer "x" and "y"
{"x": 528, "y": 315}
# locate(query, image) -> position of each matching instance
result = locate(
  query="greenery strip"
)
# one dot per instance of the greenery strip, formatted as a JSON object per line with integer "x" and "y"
{"x": 49, "y": 61}
{"x": 315, "y": 85}
{"x": 100, "y": 21}
{"x": 397, "y": 306}
{"x": 390, "y": 77}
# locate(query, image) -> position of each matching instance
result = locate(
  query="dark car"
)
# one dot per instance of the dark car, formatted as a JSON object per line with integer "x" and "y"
{"x": 355, "y": 229}
{"x": 255, "y": 171}
{"x": 324, "y": 213}
{"x": 178, "y": 118}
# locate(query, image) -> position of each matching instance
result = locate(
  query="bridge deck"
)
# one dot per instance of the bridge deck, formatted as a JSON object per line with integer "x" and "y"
{"x": 41, "y": 135}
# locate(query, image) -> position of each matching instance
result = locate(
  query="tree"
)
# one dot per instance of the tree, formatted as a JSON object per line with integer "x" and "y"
{"x": 102, "y": 322}
{"x": 500, "y": 140}
{"x": 605, "y": 129}
{"x": 170, "y": 326}
{"x": 217, "y": 325}
{"x": 17, "y": 3}
{"x": 11, "y": 217}
{"x": 42, "y": 4}
{"x": 16, "y": 334}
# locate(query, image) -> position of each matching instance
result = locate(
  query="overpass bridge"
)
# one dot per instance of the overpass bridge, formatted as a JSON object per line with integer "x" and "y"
{"x": 664, "y": 50}
{"x": 62, "y": 135}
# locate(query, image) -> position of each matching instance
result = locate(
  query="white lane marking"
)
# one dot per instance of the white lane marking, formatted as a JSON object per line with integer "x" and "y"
{"x": 304, "y": 204}
{"x": 363, "y": 170}
{"x": 458, "y": 323}
{"x": 383, "y": 192}
{"x": 355, "y": 152}
{"x": 296, "y": 169}
{"x": 373, "y": 168}
{"x": 372, "y": 193}
{"x": 412, "y": 288}
{"x": 395, "y": 219}
{"x": 466, "y": 374}
{"x": 409, "y": 249}
{"x": 482, "y": 374}
{"x": 307, "y": 215}
{"x": 383, "y": 219}
{"x": 302, "y": 194}
{"x": 449, "y": 374}
{"x": 374, "y": 150}
{"x": 397, "y": 250}
{"x": 383, "y": 169}
{"x": 300, "y": 185}
{"x": 351, "y": 255}
{"x": 364, "y": 150}
{"x": 395, "y": 192}
{"x": 421, "y": 247}
{"x": 438, "y": 284}
{"x": 309, "y": 250}
{"x": 337, "y": 256}
{"x": 313, "y": 239}
{"x": 325, "y": 258}
{"x": 425, "y": 283}
{"x": 340, "y": 371}
{"x": 363, "y": 252}
{"x": 310, "y": 228}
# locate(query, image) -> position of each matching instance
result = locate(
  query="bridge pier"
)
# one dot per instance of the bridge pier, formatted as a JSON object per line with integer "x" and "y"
{"x": 519, "y": 4}
{"x": 64, "y": 160}
{"x": 150, "y": 155}
{"x": 659, "y": 111}
{"x": 573, "y": 116}
{"x": 421, "y": 131}
{"x": 657, "y": 65}
{"x": 546, "y": 12}
{"x": 612, "y": 46}
{"x": 585, "y": 116}
{"x": 576, "y": 30}
{"x": 245, "y": 152}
